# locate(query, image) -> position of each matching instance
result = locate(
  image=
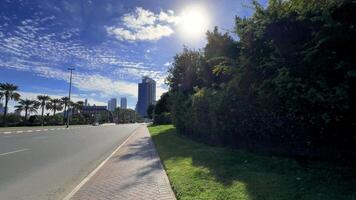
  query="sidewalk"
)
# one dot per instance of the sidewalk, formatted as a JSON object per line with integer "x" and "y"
{"x": 134, "y": 172}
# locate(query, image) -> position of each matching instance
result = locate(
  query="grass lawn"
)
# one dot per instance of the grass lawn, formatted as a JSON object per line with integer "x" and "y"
{"x": 198, "y": 171}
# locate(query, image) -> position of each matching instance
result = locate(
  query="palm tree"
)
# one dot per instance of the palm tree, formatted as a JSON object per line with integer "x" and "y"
{"x": 55, "y": 105}
{"x": 43, "y": 100}
{"x": 79, "y": 105}
{"x": 65, "y": 102}
{"x": 28, "y": 105}
{"x": 7, "y": 91}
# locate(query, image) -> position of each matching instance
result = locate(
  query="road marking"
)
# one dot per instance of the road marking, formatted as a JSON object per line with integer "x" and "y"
{"x": 29, "y": 131}
{"x": 38, "y": 130}
{"x": 19, "y": 131}
{"x": 87, "y": 178}
{"x": 52, "y": 129}
{"x": 45, "y": 129}
{"x": 12, "y": 152}
{"x": 7, "y": 132}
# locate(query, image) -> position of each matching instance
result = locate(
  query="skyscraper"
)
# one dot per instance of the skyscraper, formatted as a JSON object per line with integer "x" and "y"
{"x": 86, "y": 102}
{"x": 112, "y": 104}
{"x": 123, "y": 102}
{"x": 146, "y": 95}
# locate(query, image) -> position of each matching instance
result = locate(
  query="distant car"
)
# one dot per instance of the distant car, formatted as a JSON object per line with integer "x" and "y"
{"x": 96, "y": 124}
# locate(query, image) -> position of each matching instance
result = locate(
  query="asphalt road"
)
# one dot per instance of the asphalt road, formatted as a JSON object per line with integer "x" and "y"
{"x": 47, "y": 163}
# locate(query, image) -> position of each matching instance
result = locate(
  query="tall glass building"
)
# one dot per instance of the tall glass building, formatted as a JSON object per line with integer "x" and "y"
{"x": 146, "y": 95}
{"x": 123, "y": 102}
{"x": 112, "y": 104}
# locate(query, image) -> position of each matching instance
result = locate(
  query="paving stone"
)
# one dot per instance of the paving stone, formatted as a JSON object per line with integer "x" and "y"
{"x": 135, "y": 172}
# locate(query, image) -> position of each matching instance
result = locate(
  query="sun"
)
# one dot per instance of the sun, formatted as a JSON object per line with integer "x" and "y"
{"x": 194, "y": 21}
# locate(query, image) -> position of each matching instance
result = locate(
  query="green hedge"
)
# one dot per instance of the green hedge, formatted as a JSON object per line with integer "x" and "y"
{"x": 287, "y": 84}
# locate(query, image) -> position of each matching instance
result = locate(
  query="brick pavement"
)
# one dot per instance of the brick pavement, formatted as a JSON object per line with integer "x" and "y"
{"x": 134, "y": 172}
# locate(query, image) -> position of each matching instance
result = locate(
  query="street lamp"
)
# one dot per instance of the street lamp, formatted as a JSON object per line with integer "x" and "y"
{"x": 70, "y": 90}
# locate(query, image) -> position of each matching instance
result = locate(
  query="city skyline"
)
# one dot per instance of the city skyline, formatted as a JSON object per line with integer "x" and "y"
{"x": 113, "y": 103}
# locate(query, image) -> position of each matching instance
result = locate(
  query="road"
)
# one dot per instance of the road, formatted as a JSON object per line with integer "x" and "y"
{"x": 47, "y": 163}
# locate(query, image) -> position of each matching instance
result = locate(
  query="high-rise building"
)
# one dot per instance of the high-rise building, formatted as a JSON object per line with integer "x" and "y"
{"x": 146, "y": 95}
{"x": 2, "y": 109}
{"x": 112, "y": 104}
{"x": 123, "y": 102}
{"x": 85, "y": 102}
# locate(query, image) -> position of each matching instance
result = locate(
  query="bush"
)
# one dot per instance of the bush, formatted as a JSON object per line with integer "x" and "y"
{"x": 163, "y": 118}
{"x": 11, "y": 120}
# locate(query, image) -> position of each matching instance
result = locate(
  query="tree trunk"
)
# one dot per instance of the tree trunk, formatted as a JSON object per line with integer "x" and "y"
{"x": 6, "y": 102}
{"x": 42, "y": 114}
{"x": 26, "y": 122}
{"x": 54, "y": 109}
{"x": 65, "y": 113}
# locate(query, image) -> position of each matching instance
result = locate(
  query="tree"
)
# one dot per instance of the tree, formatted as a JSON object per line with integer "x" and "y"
{"x": 54, "y": 105}
{"x": 27, "y": 105}
{"x": 43, "y": 101}
{"x": 8, "y": 91}
{"x": 127, "y": 115}
{"x": 163, "y": 104}
{"x": 150, "y": 111}
{"x": 287, "y": 83}
{"x": 183, "y": 76}
{"x": 65, "y": 102}
{"x": 79, "y": 105}
{"x": 162, "y": 110}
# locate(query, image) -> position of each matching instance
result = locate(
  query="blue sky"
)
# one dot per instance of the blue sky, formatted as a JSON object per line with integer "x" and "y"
{"x": 110, "y": 43}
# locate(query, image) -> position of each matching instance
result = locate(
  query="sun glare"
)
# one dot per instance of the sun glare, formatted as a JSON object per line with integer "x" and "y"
{"x": 194, "y": 21}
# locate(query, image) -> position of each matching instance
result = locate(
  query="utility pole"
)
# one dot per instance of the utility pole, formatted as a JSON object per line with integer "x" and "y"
{"x": 70, "y": 90}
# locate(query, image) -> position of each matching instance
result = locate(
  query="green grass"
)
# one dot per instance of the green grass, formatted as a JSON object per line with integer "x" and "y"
{"x": 198, "y": 171}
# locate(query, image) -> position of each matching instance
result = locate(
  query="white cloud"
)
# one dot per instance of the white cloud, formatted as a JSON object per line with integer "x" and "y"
{"x": 140, "y": 18}
{"x": 87, "y": 82}
{"x": 144, "y": 25}
{"x": 167, "y": 64}
{"x": 168, "y": 17}
{"x": 105, "y": 85}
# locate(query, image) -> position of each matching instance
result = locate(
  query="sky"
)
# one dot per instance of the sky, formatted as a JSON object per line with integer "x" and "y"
{"x": 110, "y": 43}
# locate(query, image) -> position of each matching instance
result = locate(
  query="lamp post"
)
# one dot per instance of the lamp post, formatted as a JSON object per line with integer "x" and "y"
{"x": 70, "y": 90}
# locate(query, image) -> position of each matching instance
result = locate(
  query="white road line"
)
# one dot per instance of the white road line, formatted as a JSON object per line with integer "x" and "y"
{"x": 7, "y": 132}
{"x": 29, "y": 131}
{"x": 38, "y": 130}
{"x": 19, "y": 131}
{"x": 52, "y": 129}
{"x": 11, "y": 152}
{"x": 45, "y": 129}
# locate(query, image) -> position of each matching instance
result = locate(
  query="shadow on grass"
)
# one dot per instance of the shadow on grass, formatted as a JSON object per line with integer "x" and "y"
{"x": 264, "y": 177}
